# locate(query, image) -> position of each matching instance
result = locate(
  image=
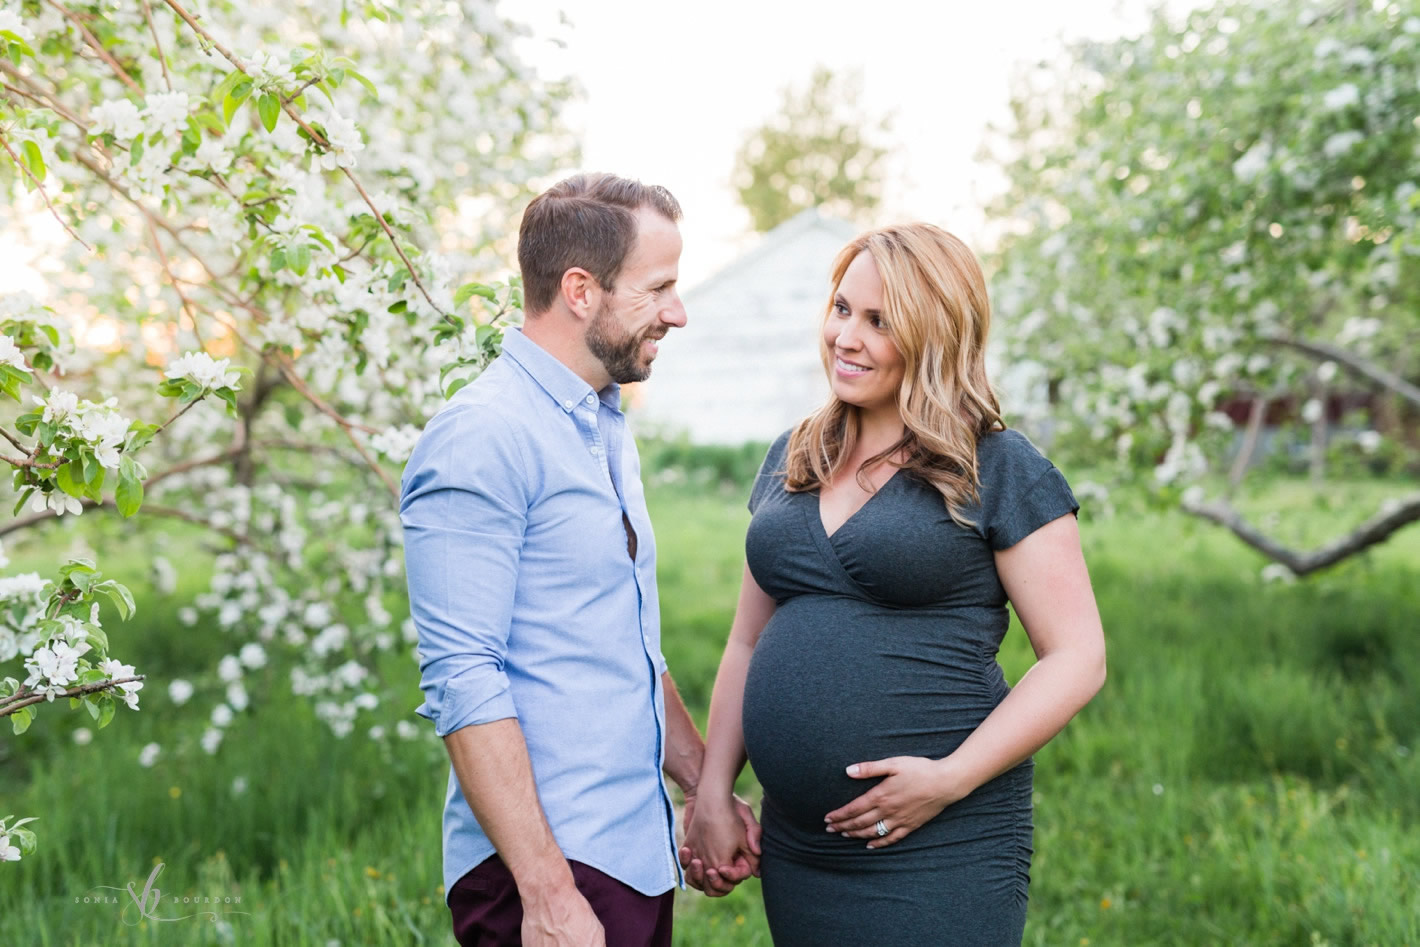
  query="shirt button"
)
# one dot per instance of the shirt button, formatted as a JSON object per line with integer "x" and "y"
{"x": 591, "y": 399}
{"x": 596, "y": 451}
{"x": 567, "y": 404}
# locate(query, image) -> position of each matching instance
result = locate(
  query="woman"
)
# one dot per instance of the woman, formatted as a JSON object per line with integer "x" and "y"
{"x": 890, "y": 528}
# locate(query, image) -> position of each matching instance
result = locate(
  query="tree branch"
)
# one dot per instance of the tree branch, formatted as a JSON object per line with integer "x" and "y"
{"x": 1249, "y": 444}
{"x": 1354, "y": 363}
{"x": 25, "y": 697}
{"x": 162, "y": 60}
{"x": 40, "y": 187}
{"x": 1370, "y": 533}
{"x": 320, "y": 141}
{"x": 97, "y": 47}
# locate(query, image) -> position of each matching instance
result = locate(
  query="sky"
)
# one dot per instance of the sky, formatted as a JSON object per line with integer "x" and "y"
{"x": 672, "y": 89}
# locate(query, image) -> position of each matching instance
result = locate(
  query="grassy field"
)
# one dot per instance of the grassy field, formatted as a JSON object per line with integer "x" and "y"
{"x": 1247, "y": 776}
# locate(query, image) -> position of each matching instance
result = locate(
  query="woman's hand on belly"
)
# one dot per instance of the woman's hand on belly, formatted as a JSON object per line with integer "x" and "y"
{"x": 913, "y": 791}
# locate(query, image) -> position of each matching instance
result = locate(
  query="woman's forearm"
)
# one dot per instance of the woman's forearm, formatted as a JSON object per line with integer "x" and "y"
{"x": 724, "y": 734}
{"x": 1038, "y": 708}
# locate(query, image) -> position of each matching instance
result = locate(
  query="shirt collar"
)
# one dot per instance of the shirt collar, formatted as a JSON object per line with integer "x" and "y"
{"x": 563, "y": 385}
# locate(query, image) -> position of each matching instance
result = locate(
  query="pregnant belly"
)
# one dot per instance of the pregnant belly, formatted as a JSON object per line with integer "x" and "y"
{"x": 835, "y": 681}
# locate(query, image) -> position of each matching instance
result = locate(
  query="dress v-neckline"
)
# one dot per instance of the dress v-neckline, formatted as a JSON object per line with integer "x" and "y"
{"x": 818, "y": 507}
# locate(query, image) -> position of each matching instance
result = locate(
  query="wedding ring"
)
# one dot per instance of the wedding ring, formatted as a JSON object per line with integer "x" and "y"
{"x": 882, "y": 828}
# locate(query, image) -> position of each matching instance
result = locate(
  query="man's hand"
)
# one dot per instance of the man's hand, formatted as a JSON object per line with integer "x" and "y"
{"x": 561, "y": 919}
{"x": 721, "y": 846}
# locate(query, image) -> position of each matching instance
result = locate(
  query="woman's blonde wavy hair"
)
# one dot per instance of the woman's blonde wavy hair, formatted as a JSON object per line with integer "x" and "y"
{"x": 937, "y": 314}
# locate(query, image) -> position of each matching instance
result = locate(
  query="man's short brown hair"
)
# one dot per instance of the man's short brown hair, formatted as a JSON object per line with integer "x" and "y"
{"x": 587, "y": 221}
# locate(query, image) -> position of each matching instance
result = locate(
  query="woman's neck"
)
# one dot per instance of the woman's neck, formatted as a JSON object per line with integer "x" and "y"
{"x": 877, "y": 431}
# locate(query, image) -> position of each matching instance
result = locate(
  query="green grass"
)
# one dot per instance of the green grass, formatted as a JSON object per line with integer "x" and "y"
{"x": 1247, "y": 776}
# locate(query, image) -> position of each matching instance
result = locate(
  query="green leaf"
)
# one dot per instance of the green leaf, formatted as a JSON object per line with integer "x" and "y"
{"x": 140, "y": 433}
{"x": 78, "y": 564}
{"x": 399, "y": 306}
{"x": 229, "y": 396}
{"x": 20, "y": 720}
{"x": 24, "y": 498}
{"x": 107, "y": 706}
{"x": 135, "y": 151}
{"x": 25, "y": 839}
{"x": 33, "y": 158}
{"x": 93, "y": 470}
{"x": 92, "y": 708}
{"x": 234, "y": 99}
{"x": 278, "y": 259}
{"x": 65, "y": 480}
{"x": 120, "y": 596}
{"x": 219, "y": 94}
{"x": 171, "y": 388}
{"x": 269, "y": 108}
{"x": 468, "y": 290}
{"x": 300, "y": 259}
{"x": 369, "y": 86}
{"x": 454, "y": 388}
{"x": 129, "y": 494}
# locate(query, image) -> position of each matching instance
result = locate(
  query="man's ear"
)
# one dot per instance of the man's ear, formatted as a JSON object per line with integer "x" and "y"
{"x": 581, "y": 292}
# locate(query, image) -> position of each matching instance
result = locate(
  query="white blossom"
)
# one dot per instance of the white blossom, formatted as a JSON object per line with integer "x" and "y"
{"x": 221, "y": 715}
{"x": 204, "y": 371}
{"x": 211, "y": 740}
{"x": 119, "y": 117}
{"x": 229, "y": 668}
{"x": 8, "y": 852}
{"x": 1370, "y": 441}
{"x": 11, "y": 355}
{"x": 396, "y": 443}
{"x": 1253, "y": 161}
{"x": 1276, "y": 572}
{"x": 237, "y": 696}
{"x": 149, "y": 755}
{"x": 166, "y": 112}
{"x": 252, "y": 655}
{"x": 1343, "y": 96}
{"x": 179, "y": 690}
{"x": 1340, "y": 143}
{"x": 9, "y": 20}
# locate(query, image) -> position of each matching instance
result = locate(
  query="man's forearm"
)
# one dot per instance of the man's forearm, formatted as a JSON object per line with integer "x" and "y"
{"x": 493, "y": 769}
{"x": 685, "y": 750}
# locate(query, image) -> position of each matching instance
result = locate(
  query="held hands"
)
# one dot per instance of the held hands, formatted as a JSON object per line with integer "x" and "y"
{"x": 721, "y": 846}
{"x": 913, "y": 790}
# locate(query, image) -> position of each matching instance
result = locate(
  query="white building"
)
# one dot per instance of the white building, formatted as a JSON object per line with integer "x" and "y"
{"x": 746, "y": 365}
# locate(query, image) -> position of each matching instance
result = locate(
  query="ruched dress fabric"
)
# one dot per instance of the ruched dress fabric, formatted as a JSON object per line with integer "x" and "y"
{"x": 883, "y": 643}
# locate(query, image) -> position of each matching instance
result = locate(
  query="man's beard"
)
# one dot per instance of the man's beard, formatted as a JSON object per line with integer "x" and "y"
{"x": 618, "y": 350}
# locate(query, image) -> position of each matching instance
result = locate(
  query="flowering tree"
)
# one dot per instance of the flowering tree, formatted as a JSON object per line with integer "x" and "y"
{"x": 1220, "y": 217}
{"x": 266, "y": 206}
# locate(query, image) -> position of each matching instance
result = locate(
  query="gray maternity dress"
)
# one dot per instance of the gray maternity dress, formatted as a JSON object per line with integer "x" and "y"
{"x": 883, "y": 643}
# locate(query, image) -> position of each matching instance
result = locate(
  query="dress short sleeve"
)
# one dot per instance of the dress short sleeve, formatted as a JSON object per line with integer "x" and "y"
{"x": 771, "y": 471}
{"x": 1021, "y": 490}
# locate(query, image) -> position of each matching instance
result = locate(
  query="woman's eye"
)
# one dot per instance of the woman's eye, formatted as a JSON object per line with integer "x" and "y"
{"x": 841, "y": 309}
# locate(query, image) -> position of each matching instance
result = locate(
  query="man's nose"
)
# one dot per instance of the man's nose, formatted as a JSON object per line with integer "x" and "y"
{"x": 674, "y": 313}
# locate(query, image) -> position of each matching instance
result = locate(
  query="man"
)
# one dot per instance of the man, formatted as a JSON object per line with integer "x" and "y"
{"x": 532, "y": 583}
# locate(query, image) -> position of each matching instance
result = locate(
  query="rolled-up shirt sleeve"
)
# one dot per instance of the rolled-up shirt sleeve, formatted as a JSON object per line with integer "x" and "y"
{"x": 464, "y": 511}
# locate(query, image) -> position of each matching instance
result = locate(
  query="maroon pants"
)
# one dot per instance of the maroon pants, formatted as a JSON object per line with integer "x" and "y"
{"x": 488, "y": 912}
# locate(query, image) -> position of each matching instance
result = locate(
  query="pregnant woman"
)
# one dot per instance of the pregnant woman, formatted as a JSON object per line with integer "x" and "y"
{"x": 890, "y": 529}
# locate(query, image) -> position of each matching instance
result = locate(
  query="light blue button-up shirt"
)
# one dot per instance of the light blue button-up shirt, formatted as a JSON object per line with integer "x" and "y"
{"x": 528, "y": 605}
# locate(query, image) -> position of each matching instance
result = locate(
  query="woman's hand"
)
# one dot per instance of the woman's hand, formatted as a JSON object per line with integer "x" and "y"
{"x": 721, "y": 846}
{"x": 914, "y": 789}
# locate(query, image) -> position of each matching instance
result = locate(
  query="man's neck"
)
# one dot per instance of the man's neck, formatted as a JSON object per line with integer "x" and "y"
{"x": 548, "y": 334}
